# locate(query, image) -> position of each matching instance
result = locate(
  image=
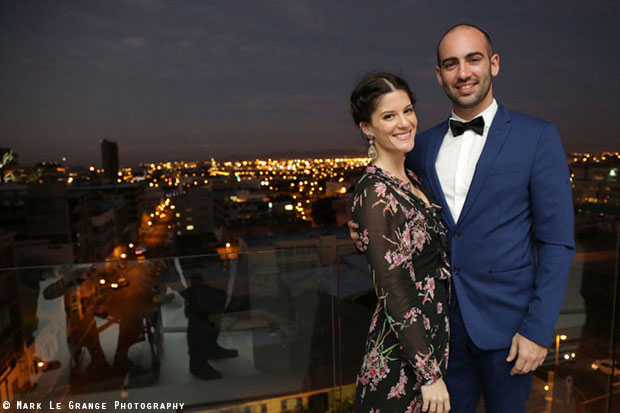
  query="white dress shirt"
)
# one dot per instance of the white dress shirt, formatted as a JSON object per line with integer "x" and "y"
{"x": 457, "y": 159}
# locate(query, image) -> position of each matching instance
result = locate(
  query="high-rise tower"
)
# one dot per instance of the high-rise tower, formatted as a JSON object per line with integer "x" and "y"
{"x": 109, "y": 159}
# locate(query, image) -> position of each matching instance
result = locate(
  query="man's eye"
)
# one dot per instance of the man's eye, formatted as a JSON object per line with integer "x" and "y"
{"x": 449, "y": 65}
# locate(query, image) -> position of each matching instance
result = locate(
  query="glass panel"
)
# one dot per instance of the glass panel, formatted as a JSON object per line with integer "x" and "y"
{"x": 214, "y": 332}
{"x": 356, "y": 303}
{"x": 120, "y": 332}
{"x": 613, "y": 373}
{"x": 577, "y": 374}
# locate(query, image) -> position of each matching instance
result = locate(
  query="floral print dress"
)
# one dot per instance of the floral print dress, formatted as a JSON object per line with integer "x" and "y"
{"x": 404, "y": 243}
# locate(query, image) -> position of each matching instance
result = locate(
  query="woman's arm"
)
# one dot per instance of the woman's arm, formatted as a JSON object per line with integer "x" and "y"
{"x": 388, "y": 247}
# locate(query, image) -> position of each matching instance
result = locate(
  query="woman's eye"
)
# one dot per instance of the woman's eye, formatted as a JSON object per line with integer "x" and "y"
{"x": 388, "y": 117}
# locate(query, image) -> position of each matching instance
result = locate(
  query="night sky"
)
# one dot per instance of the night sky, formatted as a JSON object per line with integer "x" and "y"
{"x": 196, "y": 79}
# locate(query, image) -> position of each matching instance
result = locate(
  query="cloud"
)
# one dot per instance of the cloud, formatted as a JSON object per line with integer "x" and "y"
{"x": 301, "y": 14}
{"x": 127, "y": 44}
{"x": 303, "y": 102}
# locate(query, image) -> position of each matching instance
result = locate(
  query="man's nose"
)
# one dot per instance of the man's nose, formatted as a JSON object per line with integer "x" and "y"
{"x": 464, "y": 72}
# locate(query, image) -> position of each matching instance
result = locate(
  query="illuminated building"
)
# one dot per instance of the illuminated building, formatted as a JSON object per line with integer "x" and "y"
{"x": 16, "y": 367}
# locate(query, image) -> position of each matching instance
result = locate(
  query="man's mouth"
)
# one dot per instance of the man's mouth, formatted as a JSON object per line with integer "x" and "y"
{"x": 465, "y": 88}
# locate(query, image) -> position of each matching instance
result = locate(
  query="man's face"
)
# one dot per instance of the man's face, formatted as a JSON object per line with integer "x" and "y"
{"x": 465, "y": 70}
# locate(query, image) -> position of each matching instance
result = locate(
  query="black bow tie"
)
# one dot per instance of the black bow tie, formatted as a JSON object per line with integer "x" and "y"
{"x": 458, "y": 128}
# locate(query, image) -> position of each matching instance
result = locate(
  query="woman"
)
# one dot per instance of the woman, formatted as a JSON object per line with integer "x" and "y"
{"x": 404, "y": 242}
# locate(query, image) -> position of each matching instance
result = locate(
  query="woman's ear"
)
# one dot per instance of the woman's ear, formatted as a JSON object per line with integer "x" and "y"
{"x": 365, "y": 128}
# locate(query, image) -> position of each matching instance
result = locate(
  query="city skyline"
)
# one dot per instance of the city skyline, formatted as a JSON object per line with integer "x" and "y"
{"x": 249, "y": 79}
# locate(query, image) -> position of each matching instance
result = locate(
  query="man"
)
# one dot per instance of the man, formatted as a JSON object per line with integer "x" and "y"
{"x": 503, "y": 182}
{"x": 201, "y": 303}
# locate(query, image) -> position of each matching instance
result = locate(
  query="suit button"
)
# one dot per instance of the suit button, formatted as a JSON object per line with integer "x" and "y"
{"x": 456, "y": 270}
{"x": 456, "y": 235}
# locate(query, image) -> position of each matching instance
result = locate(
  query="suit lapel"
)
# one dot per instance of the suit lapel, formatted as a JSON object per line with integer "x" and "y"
{"x": 495, "y": 139}
{"x": 433, "y": 178}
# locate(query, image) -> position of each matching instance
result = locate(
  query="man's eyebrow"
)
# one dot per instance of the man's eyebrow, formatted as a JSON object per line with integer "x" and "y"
{"x": 472, "y": 54}
{"x": 448, "y": 59}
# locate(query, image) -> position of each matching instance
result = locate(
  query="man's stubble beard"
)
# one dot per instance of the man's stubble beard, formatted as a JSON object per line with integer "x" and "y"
{"x": 485, "y": 88}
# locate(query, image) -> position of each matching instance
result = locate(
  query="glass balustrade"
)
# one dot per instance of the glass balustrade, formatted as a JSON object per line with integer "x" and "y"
{"x": 274, "y": 330}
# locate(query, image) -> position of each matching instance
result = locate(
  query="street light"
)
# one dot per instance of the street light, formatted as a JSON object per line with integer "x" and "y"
{"x": 558, "y": 338}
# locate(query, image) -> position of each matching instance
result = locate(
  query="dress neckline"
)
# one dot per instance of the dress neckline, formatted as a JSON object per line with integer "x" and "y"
{"x": 413, "y": 180}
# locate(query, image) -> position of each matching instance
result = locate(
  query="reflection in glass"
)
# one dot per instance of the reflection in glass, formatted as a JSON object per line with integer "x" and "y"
{"x": 275, "y": 326}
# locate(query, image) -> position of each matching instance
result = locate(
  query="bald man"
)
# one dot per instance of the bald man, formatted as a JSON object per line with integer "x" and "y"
{"x": 502, "y": 180}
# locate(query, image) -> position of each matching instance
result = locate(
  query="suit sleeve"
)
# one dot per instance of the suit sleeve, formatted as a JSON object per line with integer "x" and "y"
{"x": 553, "y": 226}
{"x": 381, "y": 227}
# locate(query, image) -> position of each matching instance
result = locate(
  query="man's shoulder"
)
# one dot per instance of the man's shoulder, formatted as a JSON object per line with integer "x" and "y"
{"x": 523, "y": 119}
{"x": 437, "y": 130}
{"x": 424, "y": 139}
{"x": 417, "y": 157}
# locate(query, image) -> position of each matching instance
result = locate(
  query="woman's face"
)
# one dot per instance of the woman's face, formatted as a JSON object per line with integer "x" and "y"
{"x": 393, "y": 124}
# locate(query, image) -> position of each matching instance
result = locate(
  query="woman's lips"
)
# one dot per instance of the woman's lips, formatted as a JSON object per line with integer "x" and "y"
{"x": 402, "y": 136}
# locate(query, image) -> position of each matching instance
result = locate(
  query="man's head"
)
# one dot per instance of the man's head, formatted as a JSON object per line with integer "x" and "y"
{"x": 195, "y": 279}
{"x": 465, "y": 67}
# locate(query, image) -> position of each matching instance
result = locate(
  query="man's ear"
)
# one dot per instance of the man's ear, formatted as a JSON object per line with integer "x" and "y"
{"x": 495, "y": 65}
{"x": 438, "y": 74}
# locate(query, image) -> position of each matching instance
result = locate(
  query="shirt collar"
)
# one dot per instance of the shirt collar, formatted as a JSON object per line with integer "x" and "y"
{"x": 488, "y": 114}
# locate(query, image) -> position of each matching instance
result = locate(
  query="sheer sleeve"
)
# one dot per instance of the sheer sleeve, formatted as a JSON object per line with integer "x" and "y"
{"x": 388, "y": 247}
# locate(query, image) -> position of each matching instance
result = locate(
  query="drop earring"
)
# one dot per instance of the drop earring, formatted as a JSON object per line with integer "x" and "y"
{"x": 372, "y": 150}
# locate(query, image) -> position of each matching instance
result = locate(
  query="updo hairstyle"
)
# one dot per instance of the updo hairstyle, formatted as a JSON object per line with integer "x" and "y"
{"x": 365, "y": 96}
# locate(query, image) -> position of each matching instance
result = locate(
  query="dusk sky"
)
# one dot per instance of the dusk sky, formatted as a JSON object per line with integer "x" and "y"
{"x": 196, "y": 79}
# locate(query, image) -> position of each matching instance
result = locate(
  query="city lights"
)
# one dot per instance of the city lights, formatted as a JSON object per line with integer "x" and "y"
{"x": 175, "y": 227}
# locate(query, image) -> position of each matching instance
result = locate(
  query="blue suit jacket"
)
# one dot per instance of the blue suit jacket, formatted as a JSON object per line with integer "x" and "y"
{"x": 512, "y": 246}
